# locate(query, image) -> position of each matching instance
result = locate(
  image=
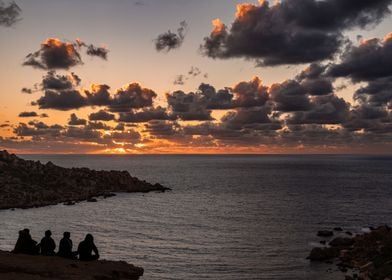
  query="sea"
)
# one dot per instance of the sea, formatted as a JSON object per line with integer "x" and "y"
{"x": 227, "y": 217}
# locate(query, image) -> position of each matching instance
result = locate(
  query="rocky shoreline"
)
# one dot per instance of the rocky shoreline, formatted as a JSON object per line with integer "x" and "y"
{"x": 365, "y": 256}
{"x": 25, "y": 267}
{"x": 27, "y": 184}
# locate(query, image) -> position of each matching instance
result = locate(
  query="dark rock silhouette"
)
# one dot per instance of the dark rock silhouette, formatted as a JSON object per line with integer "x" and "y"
{"x": 86, "y": 248}
{"x": 25, "y": 267}
{"x": 65, "y": 247}
{"x": 325, "y": 233}
{"x": 369, "y": 253}
{"x": 26, "y": 183}
{"x": 47, "y": 244}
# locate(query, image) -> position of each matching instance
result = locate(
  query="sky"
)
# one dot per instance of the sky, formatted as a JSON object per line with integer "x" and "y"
{"x": 196, "y": 76}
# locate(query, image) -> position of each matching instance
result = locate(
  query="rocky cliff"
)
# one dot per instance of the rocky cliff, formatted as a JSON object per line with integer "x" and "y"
{"x": 26, "y": 183}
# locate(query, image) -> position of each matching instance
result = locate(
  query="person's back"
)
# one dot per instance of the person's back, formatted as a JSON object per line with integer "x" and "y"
{"x": 65, "y": 247}
{"x": 47, "y": 244}
{"x": 25, "y": 244}
{"x": 85, "y": 249}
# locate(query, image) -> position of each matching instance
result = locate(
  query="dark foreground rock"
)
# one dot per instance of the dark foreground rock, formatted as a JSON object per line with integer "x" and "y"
{"x": 366, "y": 256}
{"x": 26, "y": 183}
{"x": 24, "y": 267}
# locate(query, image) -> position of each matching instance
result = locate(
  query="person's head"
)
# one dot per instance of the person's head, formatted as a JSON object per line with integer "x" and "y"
{"x": 26, "y": 230}
{"x": 89, "y": 238}
{"x": 48, "y": 233}
{"x": 67, "y": 234}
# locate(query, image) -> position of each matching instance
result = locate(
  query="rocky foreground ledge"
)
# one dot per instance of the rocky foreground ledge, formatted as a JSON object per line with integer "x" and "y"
{"x": 25, "y": 267}
{"x": 366, "y": 256}
{"x": 26, "y": 183}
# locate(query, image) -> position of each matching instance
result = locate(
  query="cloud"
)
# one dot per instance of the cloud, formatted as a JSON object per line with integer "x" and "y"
{"x": 59, "y": 82}
{"x": 145, "y": 115}
{"x": 101, "y": 115}
{"x": 9, "y": 14}
{"x": 250, "y": 94}
{"x": 132, "y": 96}
{"x": 63, "y": 100}
{"x": 170, "y": 40}
{"x": 188, "y": 106}
{"x": 27, "y": 90}
{"x": 98, "y": 95}
{"x": 54, "y": 54}
{"x": 27, "y": 114}
{"x": 180, "y": 80}
{"x": 368, "y": 61}
{"x": 74, "y": 120}
{"x": 101, "y": 52}
{"x": 282, "y": 33}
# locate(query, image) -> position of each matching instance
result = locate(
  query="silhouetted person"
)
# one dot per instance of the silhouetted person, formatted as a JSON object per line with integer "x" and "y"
{"x": 25, "y": 244}
{"x": 65, "y": 247}
{"x": 85, "y": 249}
{"x": 47, "y": 244}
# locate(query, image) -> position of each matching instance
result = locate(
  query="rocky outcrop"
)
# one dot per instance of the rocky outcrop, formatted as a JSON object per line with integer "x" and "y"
{"x": 25, "y": 267}
{"x": 367, "y": 256}
{"x": 26, "y": 183}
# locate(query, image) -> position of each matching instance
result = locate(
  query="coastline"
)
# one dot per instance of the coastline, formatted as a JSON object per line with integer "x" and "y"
{"x": 28, "y": 184}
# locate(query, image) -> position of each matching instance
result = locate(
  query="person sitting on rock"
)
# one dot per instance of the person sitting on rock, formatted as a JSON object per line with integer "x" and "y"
{"x": 85, "y": 249}
{"x": 47, "y": 244}
{"x": 65, "y": 247}
{"x": 25, "y": 244}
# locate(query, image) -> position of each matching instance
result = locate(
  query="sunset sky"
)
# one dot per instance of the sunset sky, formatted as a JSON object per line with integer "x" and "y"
{"x": 196, "y": 76}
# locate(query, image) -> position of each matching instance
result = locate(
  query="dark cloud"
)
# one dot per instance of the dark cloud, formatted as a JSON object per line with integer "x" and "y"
{"x": 101, "y": 52}
{"x": 282, "y": 33}
{"x": 27, "y": 114}
{"x": 61, "y": 100}
{"x": 54, "y": 54}
{"x": 213, "y": 99}
{"x": 376, "y": 93}
{"x": 133, "y": 96}
{"x": 145, "y": 115}
{"x": 289, "y": 96}
{"x": 101, "y": 115}
{"x": 98, "y": 125}
{"x": 194, "y": 71}
{"x": 162, "y": 128}
{"x": 74, "y": 120}
{"x": 37, "y": 129}
{"x": 170, "y": 40}
{"x": 9, "y": 13}
{"x": 43, "y": 115}
{"x": 250, "y": 94}
{"x": 27, "y": 90}
{"x": 82, "y": 133}
{"x": 59, "y": 82}
{"x": 188, "y": 106}
{"x": 368, "y": 61}
{"x": 328, "y": 109}
{"x": 179, "y": 80}
{"x": 99, "y": 95}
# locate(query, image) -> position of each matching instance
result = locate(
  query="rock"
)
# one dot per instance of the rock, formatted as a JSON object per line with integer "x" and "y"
{"x": 323, "y": 254}
{"x": 337, "y": 229}
{"x": 25, "y": 184}
{"x": 92, "y": 200}
{"x": 349, "y": 233}
{"x": 25, "y": 267}
{"x": 341, "y": 242}
{"x": 325, "y": 233}
{"x": 323, "y": 242}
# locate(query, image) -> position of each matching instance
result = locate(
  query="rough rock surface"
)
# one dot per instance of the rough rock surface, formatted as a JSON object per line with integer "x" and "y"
{"x": 366, "y": 256}
{"x": 26, "y": 183}
{"x": 25, "y": 267}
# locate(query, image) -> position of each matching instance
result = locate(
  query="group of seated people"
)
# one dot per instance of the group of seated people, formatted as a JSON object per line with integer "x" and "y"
{"x": 26, "y": 245}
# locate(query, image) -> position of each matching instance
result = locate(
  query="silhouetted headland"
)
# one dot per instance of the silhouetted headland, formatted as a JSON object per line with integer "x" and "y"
{"x": 20, "y": 266}
{"x": 26, "y": 183}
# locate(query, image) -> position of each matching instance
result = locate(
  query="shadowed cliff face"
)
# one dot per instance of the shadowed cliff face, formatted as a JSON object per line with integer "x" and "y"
{"x": 25, "y": 184}
{"x": 16, "y": 266}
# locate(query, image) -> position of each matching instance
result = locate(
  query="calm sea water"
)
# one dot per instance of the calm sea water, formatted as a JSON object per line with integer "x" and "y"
{"x": 228, "y": 217}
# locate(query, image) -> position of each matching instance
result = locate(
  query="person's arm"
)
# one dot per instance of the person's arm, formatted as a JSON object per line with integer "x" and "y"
{"x": 95, "y": 250}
